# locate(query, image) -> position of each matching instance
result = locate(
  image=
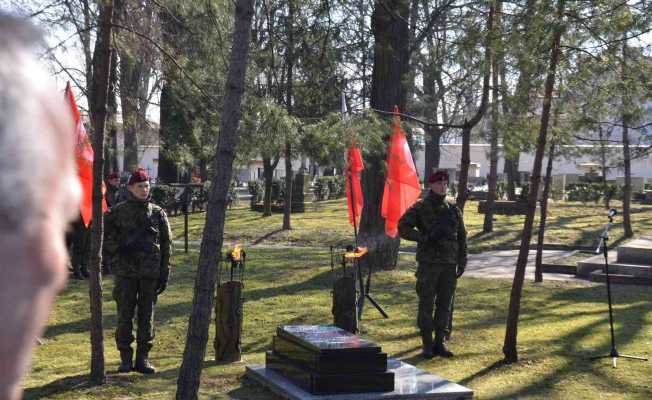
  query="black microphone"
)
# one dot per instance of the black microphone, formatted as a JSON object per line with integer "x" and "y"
{"x": 612, "y": 213}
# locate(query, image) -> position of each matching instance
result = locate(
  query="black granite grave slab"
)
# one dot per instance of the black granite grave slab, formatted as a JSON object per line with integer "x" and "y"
{"x": 330, "y": 362}
{"x": 317, "y": 383}
{"x": 411, "y": 383}
{"x": 326, "y": 338}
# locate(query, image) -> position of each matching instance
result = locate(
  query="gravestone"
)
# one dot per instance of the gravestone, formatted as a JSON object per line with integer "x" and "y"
{"x": 324, "y": 359}
{"x": 323, "y": 362}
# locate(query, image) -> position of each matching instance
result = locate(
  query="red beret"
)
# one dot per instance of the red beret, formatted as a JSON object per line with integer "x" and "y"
{"x": 114, "y": 175}
{"x": 137, "y": 176}
{"x": 437, "y": 176}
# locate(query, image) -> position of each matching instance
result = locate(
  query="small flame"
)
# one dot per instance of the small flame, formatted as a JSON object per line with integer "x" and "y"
{"x": 235, "y": 253}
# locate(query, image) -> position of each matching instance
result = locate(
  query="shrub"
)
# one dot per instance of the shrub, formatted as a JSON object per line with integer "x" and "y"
{"x": 256, "y": 190}
{"x": 586, "y": 192}
{"x": 525, "y": 192}
{"x": 278, "y": 190}
{"x": 329, "y": 187}
{"x": 336, "y": 187}
{"x": 163, "y": 195}
{"x": 320, "y": 189}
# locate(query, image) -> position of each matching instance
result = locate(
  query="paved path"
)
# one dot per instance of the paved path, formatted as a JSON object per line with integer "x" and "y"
{"x": 502, "y": 264}
{"x": 490, "y": 264}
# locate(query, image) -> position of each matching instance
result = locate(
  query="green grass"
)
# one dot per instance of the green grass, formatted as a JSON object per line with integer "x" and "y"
{"x": 561, "y": 325}
{"x": 569, "y": 224}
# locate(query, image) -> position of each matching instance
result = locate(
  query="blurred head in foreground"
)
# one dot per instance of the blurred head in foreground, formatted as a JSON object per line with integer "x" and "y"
{"x": 39, "y": 197}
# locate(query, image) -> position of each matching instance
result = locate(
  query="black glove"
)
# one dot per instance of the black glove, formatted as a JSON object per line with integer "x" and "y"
{"x": 161, "y": 286}
{"x": 460, "y": 269}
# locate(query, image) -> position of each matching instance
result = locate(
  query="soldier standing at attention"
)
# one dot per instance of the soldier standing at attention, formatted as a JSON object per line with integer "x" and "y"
{"x": 137, "y": 242}
{"x": 438, "y": 228}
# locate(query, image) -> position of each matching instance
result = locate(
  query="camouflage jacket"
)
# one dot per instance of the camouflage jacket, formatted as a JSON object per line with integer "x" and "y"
{"x": 419, "y": 221}
{"x": 137, "y": 240}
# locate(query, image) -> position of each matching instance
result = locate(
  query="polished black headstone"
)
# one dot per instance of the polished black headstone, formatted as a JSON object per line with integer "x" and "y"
{"x": 318, "y": 383}
{"x": 326, "y": 338}
{"x": 330, "y": 361}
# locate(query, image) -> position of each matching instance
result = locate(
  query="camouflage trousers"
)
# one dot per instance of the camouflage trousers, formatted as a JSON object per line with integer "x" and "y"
{"x": 435, "y": 287}
{"x": 131, "y": 294}
{"x": 78, "y": 242}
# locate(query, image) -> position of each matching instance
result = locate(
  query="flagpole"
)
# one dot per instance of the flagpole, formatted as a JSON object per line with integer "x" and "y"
{"x": 344, "y": 110}
{"x": 355, "y": 225}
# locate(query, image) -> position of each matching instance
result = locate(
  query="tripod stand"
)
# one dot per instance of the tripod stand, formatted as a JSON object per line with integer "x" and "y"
{"x": 604, "y": 238}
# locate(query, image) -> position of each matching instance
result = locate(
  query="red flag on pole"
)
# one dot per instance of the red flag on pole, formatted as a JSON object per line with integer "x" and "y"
{"x": 354, "y": 197}
{"x": 84, "y": 157}
{"x": 402, "y": 187}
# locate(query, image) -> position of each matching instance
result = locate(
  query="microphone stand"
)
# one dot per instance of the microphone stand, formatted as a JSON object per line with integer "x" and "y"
{"x": 604, "y": 238}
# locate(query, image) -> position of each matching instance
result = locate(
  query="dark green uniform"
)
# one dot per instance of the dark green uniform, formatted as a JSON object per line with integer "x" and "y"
{"x": 137, "y": 244}
{"x": 79, "y": 247}
{"x": 438, "y": 229}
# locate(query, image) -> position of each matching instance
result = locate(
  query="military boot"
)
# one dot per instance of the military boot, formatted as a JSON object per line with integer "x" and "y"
{"x": 142, "y": 363}
{"x": 439, "y": 348}
{"x": 126, "y": 361}
{"x": 426, "y": 348}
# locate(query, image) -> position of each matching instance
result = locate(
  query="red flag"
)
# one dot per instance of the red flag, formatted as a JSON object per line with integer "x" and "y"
{"x": 355, "y": 167}
{"x": 84, "y": 157}
{"x": 402, "y": 187}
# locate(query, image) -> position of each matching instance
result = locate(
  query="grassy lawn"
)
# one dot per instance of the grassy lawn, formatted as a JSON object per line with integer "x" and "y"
{"x": 561, "y": 325}
{"x": 324, "y": 223}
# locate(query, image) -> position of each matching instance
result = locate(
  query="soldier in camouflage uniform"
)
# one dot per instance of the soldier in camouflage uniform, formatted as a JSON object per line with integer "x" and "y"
{"x": 137, "y": 242}
{"x": 438, "y": 229}
{"x": 112, "y": 189}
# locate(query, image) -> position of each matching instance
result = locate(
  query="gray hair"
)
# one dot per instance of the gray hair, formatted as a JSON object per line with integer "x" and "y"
{"x": 27, "y": 148}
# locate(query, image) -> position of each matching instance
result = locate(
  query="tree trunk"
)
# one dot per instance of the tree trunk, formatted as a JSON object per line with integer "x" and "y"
{"x": 603, "y": 167}
{"x": 462, "y": 191}
{"x": 172, "y": 122}
{"x": 509, "y": 346}
{"x": 135, "y": 71}
{"x": 538, "y": 269}
{"x": 391, "y": 63}
{"x": 110, "y": 147}
{"x": 522, "y": 99}
{"x": 268, "y": 175}
{"x": 211, "y": 246}
{"x": 465, "y": 162}
{"x": 513, "y": 177}
{"x": 129, "y": 107}
{"x": 98, "y": 100}
{"x": 433, "y": 152}
{"x": 433, "y": 91}
{"x": 289, "y": 175}
{"x": 391, "y": 56}
{"x": 627, "y": 190}
{"x": 488, "y": 225}
{"x": 627, "y": 156}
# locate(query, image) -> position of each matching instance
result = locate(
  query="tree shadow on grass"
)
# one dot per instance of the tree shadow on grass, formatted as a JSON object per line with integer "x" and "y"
{"x": 266, "y": 236}
{"x": 578, "y": 360}
{"x": 82, "y": 382}
{"x": 163, "y": 314}
{"x": 322, "y": 281}
{"x": 62, "y": 385}
{"x": 483, "y": 372}
{"x": 249, "y": 389}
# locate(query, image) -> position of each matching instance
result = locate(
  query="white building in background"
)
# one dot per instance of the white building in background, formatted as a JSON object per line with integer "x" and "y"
{"x": 451, "y": 155}
{"x": 148, "y": 150}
